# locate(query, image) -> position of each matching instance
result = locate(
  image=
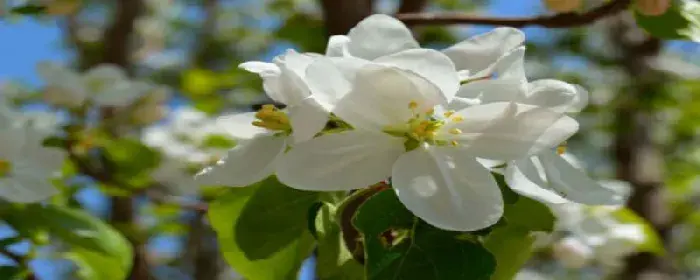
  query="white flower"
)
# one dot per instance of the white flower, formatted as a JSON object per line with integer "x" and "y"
{"x": 547, "y": 176}
{"x": 284, "y": 81}
{"x": 572, "y": 253}
{"x": 105, "y": 85}
{"x": 597, "y": 227}
{"x": 256, "y": 154}
{"x": 430, "y": 158}
{"x": 382, "y": 35}
{"x": 26, "y": 167}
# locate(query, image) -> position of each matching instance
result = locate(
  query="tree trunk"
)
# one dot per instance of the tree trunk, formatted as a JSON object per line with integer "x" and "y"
{"x": 639, "y": 160}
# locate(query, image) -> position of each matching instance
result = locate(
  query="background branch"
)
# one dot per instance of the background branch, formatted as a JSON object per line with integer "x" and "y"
{"x": 563, "y": 20}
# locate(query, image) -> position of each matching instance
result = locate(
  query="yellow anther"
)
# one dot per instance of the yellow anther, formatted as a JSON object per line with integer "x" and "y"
{"x": 5, "y": 168}
{"x": 561, "y": 149}
{"x": 430, "y": 111}
{"x": 457, "y": 118}
{"x": 259, "y": 123}
{"x": 268, "y": 107}
{"x": 456, "y": 131}
{"x": 448, "y": 114}
{"x": 413, "y": 105}
{"x": 454, "y": 143}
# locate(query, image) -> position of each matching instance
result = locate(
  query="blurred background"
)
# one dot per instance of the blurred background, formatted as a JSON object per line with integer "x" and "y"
{"x": 642, "y": 125}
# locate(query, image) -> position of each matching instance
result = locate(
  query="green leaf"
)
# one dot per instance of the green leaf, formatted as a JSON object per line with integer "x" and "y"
{"x": 509, "y": 196}
{"x": 305, "y": 31}
{"x": 400, "y": 246}
{"x": 29, "y": 9}
{"x": 333, "y": 259}
{"x": 652, "y": 242}
{"x": 227, "y": 211}
{"x": 529, "y": 214}
{"x": 132, "y": 160}
{"x": 218, "y": 141}
{"x": 274, "y": 217}
{"x": 681, "y": 21}
{"x": 84, "y": 233}
{"x": 11, "y": 272}
{"x": 92, "y": 265}
{"x": 512, "y": 247}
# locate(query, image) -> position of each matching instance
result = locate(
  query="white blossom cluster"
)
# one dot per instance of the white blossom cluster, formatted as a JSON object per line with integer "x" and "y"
{"x": 377, "y": 106}
{"x": 184, "y": 142}
{"x": 104, "y": 85}
{"x": 26, "y": 166}
{"x": 595, "y": 236}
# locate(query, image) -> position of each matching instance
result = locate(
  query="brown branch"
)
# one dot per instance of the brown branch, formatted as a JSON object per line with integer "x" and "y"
{"x": 340, "y": 16}
{"x": 116, "y": 37}
{"x": 412, "y": 6}
{"x": 562, "y": 20}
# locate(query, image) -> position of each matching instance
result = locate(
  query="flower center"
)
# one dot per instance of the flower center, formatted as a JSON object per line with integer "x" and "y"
{"x": 272, "y": 118}
{"x": 423, "y": 127}
{"x": 5, "y": 168}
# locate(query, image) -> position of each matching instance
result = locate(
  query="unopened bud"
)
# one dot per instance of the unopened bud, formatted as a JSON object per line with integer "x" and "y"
{"x": 562, "y": 6}
{"x": 653, "y": 7}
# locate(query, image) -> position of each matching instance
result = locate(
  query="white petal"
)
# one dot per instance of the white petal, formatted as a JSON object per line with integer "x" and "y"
{"x": 340, "y": 161}
{"x": 249, "y": 162}
{"x": 510, "y": 66}
{"x": 574, "y": 184}
{"x": 479, "y": 52}
{"x": 496, "y": 90}
{"x": 295, "y": 62}
{"x": 327, "y": 82}
{"x": 120, "y": 93}
{"x": 105, "y": 74}
{"x": 381, "y": 96}
{"x": 429, "y": 64}
{"x": 557, "y": 95}
{"x": 508, "y": 131}
{"x": 239, "y": 125}
{"x": 28, "y": 188}
{"x": 379, "y": 35}
{"x": 337, "y": 45}
{"x": 447, "y": 189}
{"x": 307, "y": 119}
{"x": 524, "y": 178}
{"x": 264, "y": 69}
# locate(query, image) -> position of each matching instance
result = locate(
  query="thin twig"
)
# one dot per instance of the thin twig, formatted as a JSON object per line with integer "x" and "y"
{"x": 15, "y": 257}
{"x": 562, "y": 20}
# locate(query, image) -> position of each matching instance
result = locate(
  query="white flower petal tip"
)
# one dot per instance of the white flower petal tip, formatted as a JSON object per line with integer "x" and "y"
{"x": 432, "y": 65}
{"x": 478, "y": 53}
{"x": 379, "y": 35}
{"x": 447, "y": 189}
{"x": 249, "y": 162}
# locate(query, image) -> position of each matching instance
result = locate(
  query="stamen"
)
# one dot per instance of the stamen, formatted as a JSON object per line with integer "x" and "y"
{"x": 561, "y": 149}
{"x": 448, "y": 114}
{"x": 454, "y": 143}
{"x": 456, "y": 131}
{"x": 413, "y": 105}
{"x": 5, "y": 168}
{"x": 457, "y": 118}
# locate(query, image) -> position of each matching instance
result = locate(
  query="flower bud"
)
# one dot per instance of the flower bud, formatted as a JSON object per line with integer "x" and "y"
{"x": 562, "y": 6}
{"x": 572, "y": 253}
{"x": 653, "y": 7}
